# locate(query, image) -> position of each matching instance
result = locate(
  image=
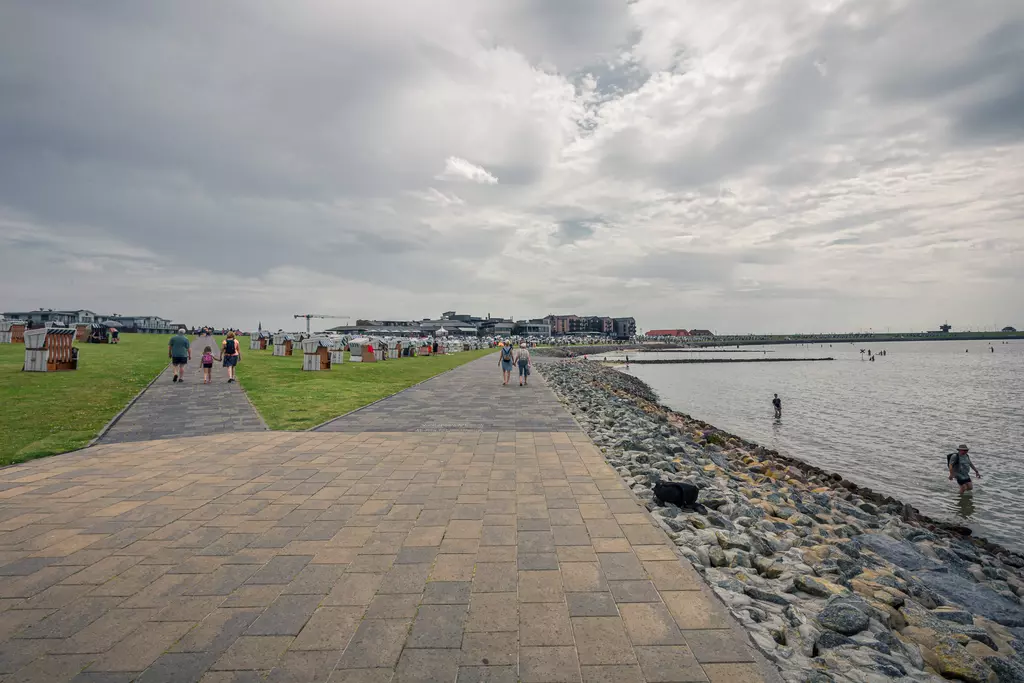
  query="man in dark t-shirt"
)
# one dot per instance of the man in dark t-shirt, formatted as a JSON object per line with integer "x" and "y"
{"x": 179, "y": 350}
{"x": 777, "y": 402}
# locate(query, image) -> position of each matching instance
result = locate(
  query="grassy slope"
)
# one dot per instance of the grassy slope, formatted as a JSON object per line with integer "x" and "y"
{"x": 42, "y": 413}
{"x": 291, "y": 399}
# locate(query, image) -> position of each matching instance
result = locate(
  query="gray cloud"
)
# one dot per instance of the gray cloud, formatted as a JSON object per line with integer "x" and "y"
{"x": 748, "y": 156}
{"x": 574, "y": 230}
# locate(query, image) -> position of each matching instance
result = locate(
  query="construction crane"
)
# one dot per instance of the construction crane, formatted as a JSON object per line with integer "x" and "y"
{"x": 309, "y": 316}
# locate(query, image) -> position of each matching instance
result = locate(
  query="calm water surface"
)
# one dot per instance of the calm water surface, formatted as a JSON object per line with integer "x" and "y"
{"x": 887, "y": 424}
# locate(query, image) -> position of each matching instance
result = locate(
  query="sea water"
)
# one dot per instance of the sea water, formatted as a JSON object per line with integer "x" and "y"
{"x": 887, "y": 423}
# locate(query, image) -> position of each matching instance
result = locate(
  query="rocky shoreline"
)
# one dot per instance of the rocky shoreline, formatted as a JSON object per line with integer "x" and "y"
{"x": 833, "y": 581}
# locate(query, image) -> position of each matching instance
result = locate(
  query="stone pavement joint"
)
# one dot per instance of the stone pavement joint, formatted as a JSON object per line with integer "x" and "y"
{"x": 169, "y": 409}
{"x": 349, "y": 556}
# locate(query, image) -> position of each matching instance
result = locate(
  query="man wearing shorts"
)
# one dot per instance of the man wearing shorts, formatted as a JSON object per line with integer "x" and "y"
{"x": 960, "y": 467}
{"x": 180, "y": 352}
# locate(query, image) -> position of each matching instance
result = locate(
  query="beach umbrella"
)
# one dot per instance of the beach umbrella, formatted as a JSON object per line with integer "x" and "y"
{"x": 111, "y": 323}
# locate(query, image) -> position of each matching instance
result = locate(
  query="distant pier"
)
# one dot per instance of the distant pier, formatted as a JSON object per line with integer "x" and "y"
{"x": 676, "y": 361}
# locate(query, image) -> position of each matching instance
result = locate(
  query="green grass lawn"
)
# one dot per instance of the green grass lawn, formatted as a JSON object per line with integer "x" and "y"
{"x": 291, "y": 399}
{"x": 42, "y": 413}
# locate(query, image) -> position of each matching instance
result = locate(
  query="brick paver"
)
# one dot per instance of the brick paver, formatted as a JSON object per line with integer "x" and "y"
{"x": 370, "y": 556}
{"x": 168, "y": 409}
{"x": 470, "y": 397}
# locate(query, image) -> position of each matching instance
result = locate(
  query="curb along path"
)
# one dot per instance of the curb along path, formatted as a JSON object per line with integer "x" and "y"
{"x": 167, "y": 409}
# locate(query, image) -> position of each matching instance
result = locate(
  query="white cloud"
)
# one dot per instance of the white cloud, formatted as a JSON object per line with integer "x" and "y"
{"x": 460, "y": 169}
{"x": 435, "y": 196}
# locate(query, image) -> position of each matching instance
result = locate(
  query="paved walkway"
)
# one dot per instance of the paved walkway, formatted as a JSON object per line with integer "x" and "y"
{"x": 459, "y": 556}
{"x": 470, "y": 397}
{"x": 169, "y": 409}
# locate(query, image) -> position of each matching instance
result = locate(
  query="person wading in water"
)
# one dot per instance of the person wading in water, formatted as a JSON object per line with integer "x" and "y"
{"x": 960, "y": 467}
{"x": 777, "y": 403}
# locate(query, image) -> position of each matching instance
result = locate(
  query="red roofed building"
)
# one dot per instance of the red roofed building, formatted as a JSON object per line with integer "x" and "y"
{"x": 668, "y": 333}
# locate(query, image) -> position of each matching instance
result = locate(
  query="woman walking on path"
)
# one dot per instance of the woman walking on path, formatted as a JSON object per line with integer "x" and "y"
{"x": 505, "y": 362}
{"x": 231, "y": 354}
{"x": 524, "y": 362}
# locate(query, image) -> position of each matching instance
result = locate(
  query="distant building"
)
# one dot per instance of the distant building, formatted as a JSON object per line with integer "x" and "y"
{"x": 451, "y": 325}
{"x": 464, "y": 324}
{"x": 394, "y": 328}
{"x": 598, "y": 325}
{"x": 590, "y": 325}
{"x": 625, "y": 328}
{"x": 1009, "y": 329}
{"x": 945, "y": 328}
{"x": 145, "y": 324}
{"x": 532, "y": 328}
{"x": 668, "y": 333}
{"x": 561, "y": 324}
{"x": 152, "y": 324}
{"x": 701, "y": 333}
{"x": 496, "y": 327}
{"x": 48, "y": 315}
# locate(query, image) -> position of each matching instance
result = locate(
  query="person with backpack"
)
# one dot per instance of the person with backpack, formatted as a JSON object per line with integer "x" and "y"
{"x": 505, "y": 362}
{"x": 207, "y": 365}
{"x": 960, "y": 467}
{"x": 231, "y": 353}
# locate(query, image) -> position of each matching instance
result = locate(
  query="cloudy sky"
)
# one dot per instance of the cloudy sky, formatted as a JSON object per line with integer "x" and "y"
{"x": 778, "y": 165}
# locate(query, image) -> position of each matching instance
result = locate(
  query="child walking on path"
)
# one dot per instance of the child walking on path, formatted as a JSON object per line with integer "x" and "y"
{"x": 207, "y": 365}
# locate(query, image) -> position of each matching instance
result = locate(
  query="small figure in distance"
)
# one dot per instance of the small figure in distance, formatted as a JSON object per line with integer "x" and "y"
{"x": 777, "y": 403}
{"x": 960, "y": 467}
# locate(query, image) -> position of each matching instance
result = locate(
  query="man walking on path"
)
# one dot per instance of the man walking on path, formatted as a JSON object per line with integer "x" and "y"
{"x": 960, "y": 466}
{"x": 179, "y": 350}
{"x": 777, "y": 402}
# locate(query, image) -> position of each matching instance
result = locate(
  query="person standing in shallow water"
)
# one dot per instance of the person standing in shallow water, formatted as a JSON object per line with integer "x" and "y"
{"x": 960, "y": 467}
{"x": 777, "y": 404}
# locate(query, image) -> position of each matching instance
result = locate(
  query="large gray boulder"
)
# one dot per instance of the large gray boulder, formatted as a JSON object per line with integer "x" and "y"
{"x": 843, "y": 617}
